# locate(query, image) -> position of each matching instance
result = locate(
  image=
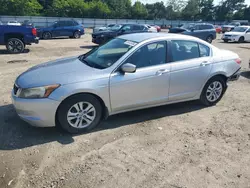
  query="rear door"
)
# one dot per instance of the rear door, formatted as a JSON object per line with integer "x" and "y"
{"x": 69, "y": 28}
{"x": 58, "y": 30}
{"x": 190, "y": 67}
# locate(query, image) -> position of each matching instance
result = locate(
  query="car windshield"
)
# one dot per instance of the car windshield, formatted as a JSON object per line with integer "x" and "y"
{"x": 188, "y": 26}
{"x": 116, "y": 27}
{"x": 240, "y": 29}
{"x": 234, "y": 23}
{"x": 107, "y": 54}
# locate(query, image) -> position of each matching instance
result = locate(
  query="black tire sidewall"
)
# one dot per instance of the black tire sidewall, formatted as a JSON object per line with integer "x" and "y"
{"x": 77, "y": 37}
{"x": 68, "y": 103}
{"x": 211, "y": 39}
{"x": 15, "y": 39}
{"x": 241, "y": 40}
{"x": 47, "y": 37}
{"x": 203, "y": 97}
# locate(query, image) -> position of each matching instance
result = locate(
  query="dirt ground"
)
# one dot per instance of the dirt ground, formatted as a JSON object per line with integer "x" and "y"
{"x": 176, "y": 146}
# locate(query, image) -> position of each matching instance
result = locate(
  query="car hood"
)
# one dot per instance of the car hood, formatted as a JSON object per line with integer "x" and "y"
{"x": 234, "y": 33}
{"x": 62, "y": 71}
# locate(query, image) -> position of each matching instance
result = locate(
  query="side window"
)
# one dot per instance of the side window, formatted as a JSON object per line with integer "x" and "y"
{"x": 136, "y": 27}
{"x": 149, "y": 55}
{"x": 61, "y": 24}
{"x": 197, "y": 27}
{"x": 204, "y": 50}
{"x": 184, "y": 50}
{"x": 127, "y": 28}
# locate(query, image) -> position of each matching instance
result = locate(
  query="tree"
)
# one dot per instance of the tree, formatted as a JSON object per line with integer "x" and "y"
{"x": 207, "y": 10}
{"x": 20, "y": 7}
{"x": 139, "y": 11}
{"x": 119, "y": 8}
{"x": 192, "y": 10}
{"x": 156, "y": 10}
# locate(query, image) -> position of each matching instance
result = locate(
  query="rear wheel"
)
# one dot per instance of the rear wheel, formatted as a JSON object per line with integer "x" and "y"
{"x": 15, "y": 46}
{"x": 77, "y": 35}
{"x": 47, "y": 35}
{"x": 213, "y": 91}
{"x": 241, "y": 40}
{"x": 209, "y": 39}
{"x": 79, "y": 113}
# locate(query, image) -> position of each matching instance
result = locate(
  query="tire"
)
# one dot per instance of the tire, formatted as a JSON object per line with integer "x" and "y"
{"x": 209, "y": 39}
{"x": 241, "y": 40}
{"x": 77, "y": 35}
{"x": 15, "y": 45}
{"x": 211, "y": 86}
{"x": 73, "y": 123}
{"x": 226, "y": 41}
{"x": 47, "y": 35}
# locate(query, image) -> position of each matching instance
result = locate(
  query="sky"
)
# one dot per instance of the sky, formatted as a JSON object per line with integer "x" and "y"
{"x": 153, "y": 1}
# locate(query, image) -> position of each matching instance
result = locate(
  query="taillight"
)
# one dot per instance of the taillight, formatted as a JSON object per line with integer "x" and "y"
{"x": 34, "y": 32}
{"x": 238, "y": 61}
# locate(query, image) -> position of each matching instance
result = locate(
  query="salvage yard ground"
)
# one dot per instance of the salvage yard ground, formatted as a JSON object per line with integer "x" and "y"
{"x": 177, "y": 146}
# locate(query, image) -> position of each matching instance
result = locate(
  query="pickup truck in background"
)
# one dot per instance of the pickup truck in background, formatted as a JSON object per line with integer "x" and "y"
{"x": 15, "y": 38}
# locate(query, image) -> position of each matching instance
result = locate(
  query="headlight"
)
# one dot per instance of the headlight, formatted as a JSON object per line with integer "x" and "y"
{"x": 37, "y": 92}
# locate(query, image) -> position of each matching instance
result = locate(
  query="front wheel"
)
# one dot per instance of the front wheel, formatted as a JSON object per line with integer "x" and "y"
{"x": 226, "y": 41}
{"x": 47, "y": 35}
{"x": 213, "y": 91}
{"x": 241, "y": 40}
{"x": 15, "y": 46}
{"x": 79, "y": 113}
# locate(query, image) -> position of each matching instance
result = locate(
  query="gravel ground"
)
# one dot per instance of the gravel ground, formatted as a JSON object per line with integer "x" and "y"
{"x": 176, "y": 146}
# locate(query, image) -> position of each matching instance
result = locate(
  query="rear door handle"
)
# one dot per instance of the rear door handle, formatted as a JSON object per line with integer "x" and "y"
{"x": 205, "y": 63}
{"x": 162, "y": 71}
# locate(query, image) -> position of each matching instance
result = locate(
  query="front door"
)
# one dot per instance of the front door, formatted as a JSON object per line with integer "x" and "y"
{"x": 191, "y": 65}
{"x": 149, "y": 85}
{"x": 59, "y": 30}
{"x": 247, "y": 35}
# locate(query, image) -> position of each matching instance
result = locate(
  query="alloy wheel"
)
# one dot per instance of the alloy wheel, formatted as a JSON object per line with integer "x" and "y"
{"x": 15, "y": 46}
{"x": 214, "y": 91}
{"x": 81, "y": 115}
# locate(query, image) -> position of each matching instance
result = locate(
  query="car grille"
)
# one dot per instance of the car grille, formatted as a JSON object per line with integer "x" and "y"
{"x": 15, "y": 89}
{"x": 93, "y": 36}
{"x": 227, "y": 35}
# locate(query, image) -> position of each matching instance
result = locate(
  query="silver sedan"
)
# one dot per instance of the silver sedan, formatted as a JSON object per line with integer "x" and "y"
{"x": 130, "y": 72}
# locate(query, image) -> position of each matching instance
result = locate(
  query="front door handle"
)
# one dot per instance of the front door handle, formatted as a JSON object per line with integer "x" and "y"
{"x": 162, "y": 71}
{"x": 205, "y": 63}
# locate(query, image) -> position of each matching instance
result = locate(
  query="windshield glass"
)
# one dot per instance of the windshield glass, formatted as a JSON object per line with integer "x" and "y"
{"x": 107, "y": 54}
{"x": 234, "y": 23}
{"x": 240, "y": 29}
{"x": 116, "y": 27}
{"x": 188, "y": 26}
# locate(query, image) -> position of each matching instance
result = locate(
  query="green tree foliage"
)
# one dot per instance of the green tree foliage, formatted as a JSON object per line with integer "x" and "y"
{"x": 192, "y": 10}
{"x": 119, "y": 8}
{"x": 20, "y": 7}
{"x": 156, "y": 10}
{"x": 139, "y": 11}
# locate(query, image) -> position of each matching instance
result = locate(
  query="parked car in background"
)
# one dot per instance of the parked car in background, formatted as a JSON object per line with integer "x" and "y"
{"x": 232, "y": 25}
{"x": 157, "y": 27}
{"x": 1, "y": 23}
{"x": 151, "y": 28}
{"x": 203, "y": 31}
{"x": 76, "y": 93}
{"x": 15, "y": 38}
{"x": 104, "y": 36}
{"x": 102, "y": 28}
{"x": 239, "y": 34}
{"x": 69, "y": 28}
{"x": 14, "y": 23}
{"x": 27, "y": 23}
{"x": 218, "y": 28}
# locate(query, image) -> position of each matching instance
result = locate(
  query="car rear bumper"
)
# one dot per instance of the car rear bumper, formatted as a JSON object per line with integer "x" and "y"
{"x": 235, "y": 76}
{"x": 36, "y": 112}
{"x": 31, "y": 39}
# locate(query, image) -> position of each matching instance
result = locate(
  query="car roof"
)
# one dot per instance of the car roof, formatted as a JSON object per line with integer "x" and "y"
{"x": 139, "y": 37}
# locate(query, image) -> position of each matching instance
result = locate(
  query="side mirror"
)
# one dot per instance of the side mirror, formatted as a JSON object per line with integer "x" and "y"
{"x": 128, "y": 68}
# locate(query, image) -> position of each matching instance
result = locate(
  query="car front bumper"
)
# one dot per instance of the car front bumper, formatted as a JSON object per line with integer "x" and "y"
{"x": 231, "y": 38}
{"x": 37, "y": 112}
